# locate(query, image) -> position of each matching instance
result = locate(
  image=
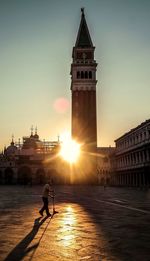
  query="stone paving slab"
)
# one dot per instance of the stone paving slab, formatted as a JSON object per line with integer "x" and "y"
{"x": 92, "y": 224}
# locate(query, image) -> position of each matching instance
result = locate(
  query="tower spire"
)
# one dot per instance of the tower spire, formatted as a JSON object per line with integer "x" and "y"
{"x": 83, "y": 37}
{"x": 82, "y": 10}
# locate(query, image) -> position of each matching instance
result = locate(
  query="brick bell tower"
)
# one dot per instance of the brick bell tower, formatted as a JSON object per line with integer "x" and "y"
{"x": 83, "y": 88}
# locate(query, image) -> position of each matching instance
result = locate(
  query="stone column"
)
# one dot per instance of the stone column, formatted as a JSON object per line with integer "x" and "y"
{"x": 115, "y": 181}
{"x": 147, "y": 135}
{"x": 133, "y": 177}
{"x": 140, "y": 181}
{"x": 136, "y": 158}
{"x": 143, "y": 179}
{"x": 127, "y": 179}
{"x": 124, "y": 161}
{"x": 144, "y": 159}
{"x": 148, "y": 152}
{"x": 136, "y": 177}
{"x": 124, "y": 180}
{"x": 140, "y": 160}
{"x": 147, "y": 155}
{"x": 119, "y": 180}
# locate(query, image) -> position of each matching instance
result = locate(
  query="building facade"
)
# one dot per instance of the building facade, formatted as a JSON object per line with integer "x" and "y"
{"x": 83, "y": 90}
{"x": 131, "y": 166}
{"x": 104, "y": 164}
{"x": 31, "y": 162}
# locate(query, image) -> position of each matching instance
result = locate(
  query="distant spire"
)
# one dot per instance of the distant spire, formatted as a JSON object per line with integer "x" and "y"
{"x": 31, "y": 130}
{"x": 12, "y": 141}
{"x": 36, "y": 136}
{"x": 83, "y": 37}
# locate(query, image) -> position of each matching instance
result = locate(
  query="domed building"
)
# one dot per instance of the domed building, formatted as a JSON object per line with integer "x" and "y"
{"x": 29, "y": 162}
{"x": 32, "y": 142}
{"x": 11, "y": 150}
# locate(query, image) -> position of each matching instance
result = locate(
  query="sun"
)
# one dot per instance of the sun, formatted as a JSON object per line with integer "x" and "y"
{"x": 70, "y": 150}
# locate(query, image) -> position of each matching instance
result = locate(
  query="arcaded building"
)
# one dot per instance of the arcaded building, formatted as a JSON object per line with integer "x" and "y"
{"x": 132, "y": 160}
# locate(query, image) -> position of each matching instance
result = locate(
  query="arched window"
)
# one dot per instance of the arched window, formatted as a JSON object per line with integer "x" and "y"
{"x": 90, "y": 75}
{"x": 24, "y": 175}
{"x": 82, "y": 75}
{"x": 86, "y": 74}
{"x": 78, "y": 75}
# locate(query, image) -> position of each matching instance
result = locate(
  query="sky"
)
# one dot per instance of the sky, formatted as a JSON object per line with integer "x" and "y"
{"x": 36, "y": 41}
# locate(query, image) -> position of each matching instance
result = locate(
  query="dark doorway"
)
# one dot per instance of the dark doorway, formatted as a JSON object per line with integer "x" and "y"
{"x": 1, "y": 177}
{"x": 8, "y": 176}
{"x": 24, "y": 175}
{"x": 40, "y": 176}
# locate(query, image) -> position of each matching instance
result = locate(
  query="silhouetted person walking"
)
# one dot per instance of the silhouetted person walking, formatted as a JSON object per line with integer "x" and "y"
{"x": 45, "y": 194}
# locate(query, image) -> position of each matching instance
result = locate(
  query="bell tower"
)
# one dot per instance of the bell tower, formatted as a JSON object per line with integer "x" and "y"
{"x": 83, "y": 89}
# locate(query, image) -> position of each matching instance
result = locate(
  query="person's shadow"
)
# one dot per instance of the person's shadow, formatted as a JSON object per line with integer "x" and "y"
{"x": 22, "y": 248}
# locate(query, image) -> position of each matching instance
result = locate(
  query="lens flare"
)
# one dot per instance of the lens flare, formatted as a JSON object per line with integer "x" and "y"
{"x": 61, "y": 105}
{"x": 70, "y": 150}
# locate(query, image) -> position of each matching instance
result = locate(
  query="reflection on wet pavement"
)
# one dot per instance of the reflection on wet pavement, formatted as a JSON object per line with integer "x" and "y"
{"x": 88, "y": 226}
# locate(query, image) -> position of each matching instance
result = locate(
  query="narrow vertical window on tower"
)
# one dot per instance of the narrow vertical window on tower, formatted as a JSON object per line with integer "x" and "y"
{"x": 86, "y": 74}
{"x": 82, "y": 74}
{"x": 78, "y": 74}
{"x": 90, "y": 75}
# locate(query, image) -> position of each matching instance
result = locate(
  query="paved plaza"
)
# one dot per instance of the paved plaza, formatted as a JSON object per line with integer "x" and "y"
{"x": 93, "y": 224}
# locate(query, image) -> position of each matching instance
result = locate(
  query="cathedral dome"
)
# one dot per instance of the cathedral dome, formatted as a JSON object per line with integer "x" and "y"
{"x": 10, "y": 150}
{"x": 36, "y": 136}
{"x": 29, "y": 143}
